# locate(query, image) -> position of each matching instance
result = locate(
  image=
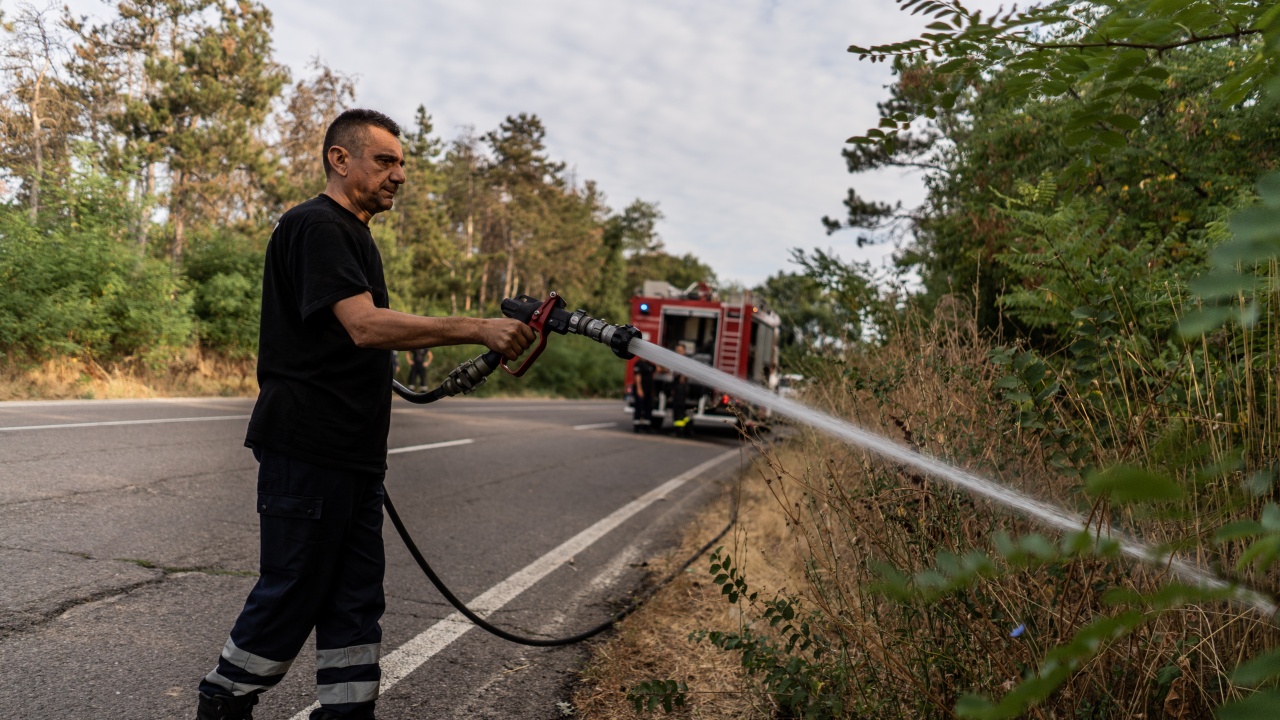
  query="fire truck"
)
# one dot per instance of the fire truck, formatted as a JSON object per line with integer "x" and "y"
{"x": 734, "y": 334}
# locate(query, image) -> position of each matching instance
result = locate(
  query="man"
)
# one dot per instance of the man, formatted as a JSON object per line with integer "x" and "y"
{"x": 419, "y": 359}
{"x": 680, "y": 419}
{"x": 319, "y": 431}
{"x": 642, "y": 413}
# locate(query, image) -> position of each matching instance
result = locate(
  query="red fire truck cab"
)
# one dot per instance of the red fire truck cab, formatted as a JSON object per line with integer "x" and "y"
{"x": 733, "y": 334}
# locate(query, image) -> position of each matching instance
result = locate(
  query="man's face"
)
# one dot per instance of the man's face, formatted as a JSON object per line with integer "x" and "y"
{"x": 374, "y": 172}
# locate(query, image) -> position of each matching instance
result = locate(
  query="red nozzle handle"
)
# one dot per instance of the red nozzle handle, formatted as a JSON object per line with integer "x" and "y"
{"x": 537, "y": 321}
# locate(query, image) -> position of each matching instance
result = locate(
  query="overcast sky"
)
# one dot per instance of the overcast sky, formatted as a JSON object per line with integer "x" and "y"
{"x": 730, "y": 114}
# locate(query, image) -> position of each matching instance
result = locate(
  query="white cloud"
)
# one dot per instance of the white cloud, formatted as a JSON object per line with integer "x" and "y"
{"x": 731, "y": 115}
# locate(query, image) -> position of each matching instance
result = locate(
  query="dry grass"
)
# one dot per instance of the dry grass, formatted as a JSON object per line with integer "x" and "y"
{"x": 935, "y": 389}
{"x": 821, "y": 519}
{"x": 653, "y": 643}
{"x": 192, "y": 375}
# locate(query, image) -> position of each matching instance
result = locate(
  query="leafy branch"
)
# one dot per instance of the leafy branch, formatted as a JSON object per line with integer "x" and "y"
{"x": 1105, "y": 52}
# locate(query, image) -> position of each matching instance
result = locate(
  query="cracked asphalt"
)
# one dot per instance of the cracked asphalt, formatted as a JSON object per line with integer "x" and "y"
{"x": 128, "y": 541}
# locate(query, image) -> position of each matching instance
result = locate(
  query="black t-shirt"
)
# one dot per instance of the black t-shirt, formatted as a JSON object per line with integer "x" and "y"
{"x": 321, "y": 397}
{"x": 644, "y": 370}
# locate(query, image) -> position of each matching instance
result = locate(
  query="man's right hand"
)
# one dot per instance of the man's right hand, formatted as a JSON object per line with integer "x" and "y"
{"x": 506, "y": 336}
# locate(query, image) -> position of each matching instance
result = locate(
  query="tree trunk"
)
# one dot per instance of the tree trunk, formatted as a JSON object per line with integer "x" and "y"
{"x": 176, "y": 214}
{"x": 37, "y": 142}
{"x": 145, "y": 192}
{"x": 508, "y": 286}
{"x": 468, "y": 253}
{"x": 38, "y": 149}
{"x": 509, "y": 280}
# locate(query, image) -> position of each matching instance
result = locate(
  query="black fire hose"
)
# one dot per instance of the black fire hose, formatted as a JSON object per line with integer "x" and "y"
{"x": 543, "y": 316}
{"x": 553, "y": 642}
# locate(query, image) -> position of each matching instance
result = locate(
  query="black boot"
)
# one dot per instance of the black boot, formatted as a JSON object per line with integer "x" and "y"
{"x": 226, "y": 707}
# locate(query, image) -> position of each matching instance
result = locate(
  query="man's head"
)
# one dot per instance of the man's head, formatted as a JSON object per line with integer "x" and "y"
{"x": 363, "y": 161}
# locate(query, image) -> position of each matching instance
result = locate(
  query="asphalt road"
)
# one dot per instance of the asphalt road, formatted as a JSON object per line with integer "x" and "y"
{"x": 128, "y": 541}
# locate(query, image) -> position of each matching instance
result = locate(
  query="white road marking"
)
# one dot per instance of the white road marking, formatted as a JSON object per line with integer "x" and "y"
{"x": 430, "y": 446}
{"x": 594, "y": 426}
{"x": 6, "y": 404}
{"x": 156, "y": 421}
{"x": 518, "y": 408}
{"x": 410, "y": 656}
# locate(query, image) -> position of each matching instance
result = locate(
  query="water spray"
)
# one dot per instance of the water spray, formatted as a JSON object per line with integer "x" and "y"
{"x": 1036, "y": 510}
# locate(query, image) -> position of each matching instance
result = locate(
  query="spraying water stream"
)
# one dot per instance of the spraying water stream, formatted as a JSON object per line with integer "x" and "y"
{"x": 1025, "y": 505}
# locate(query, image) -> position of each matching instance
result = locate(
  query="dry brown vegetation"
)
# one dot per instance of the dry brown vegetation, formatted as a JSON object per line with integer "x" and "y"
{"x": 73, "y": 378}
{"x": 653, "y": 643}
{"x": 822, "y": 520}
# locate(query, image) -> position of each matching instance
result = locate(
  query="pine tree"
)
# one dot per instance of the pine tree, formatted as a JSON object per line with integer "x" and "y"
{"x": 312, "y": 104}
{"x": 195, "y": 97}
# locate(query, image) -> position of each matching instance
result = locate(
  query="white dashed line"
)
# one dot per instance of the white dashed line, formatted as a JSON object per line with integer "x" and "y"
{"x": 106, "y": 423}
{"x": 595, "y": 426}
{"x": 430, "y": 446}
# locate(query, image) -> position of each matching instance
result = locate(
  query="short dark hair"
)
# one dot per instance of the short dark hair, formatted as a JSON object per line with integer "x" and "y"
{"x": 347, "y": 131}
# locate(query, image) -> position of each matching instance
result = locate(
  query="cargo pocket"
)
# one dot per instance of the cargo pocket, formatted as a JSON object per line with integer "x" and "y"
{"x": 291, "y": 531}
{"x": 289, "y": 506}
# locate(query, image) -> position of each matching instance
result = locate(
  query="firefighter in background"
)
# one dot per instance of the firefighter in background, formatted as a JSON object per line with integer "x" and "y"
{"x": 642, "y": 418}
{"x": 418, "y": 361}
{"x": 680, "y": 419}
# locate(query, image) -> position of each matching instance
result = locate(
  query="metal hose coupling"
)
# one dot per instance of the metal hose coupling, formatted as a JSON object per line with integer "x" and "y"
{"x": 617, "y": 337}
{"x": 471, "y": 374}
{"x": 465, "y": 378}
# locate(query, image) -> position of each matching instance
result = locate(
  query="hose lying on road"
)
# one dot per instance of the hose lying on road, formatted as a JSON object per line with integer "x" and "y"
{"x": 553, "y": 642}
{"x": 464, "y": 379}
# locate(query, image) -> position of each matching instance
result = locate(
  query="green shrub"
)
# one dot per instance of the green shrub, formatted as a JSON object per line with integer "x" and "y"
{"x": 224, "y": 272}
{"x": 73, "y": 287}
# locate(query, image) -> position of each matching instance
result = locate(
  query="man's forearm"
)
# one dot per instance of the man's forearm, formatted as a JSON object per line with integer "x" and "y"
{"x": 374, "y": 327}
{"x": 391, "y": 330}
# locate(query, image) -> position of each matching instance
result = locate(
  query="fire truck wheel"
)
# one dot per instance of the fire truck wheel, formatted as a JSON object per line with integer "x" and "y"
{"x": 655, "y": 423}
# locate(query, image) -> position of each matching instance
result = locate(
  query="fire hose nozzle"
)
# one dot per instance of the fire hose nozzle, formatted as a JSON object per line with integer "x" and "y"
{"x": 550, "y": 315}
{"x": 617, "y": 337}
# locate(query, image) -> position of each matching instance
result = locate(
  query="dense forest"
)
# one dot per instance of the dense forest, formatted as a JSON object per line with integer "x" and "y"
{"x": 143, "y": 160}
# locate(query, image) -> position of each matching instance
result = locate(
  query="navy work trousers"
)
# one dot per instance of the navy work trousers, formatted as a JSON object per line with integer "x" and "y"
{"x": 322, "y": 564}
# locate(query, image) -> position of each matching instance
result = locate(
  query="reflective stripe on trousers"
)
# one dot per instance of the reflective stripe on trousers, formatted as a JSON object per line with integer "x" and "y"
{"x": 351, "y": 693}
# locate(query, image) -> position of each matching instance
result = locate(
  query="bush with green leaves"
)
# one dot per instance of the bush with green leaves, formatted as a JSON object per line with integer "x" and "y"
{"x": 1147, "y": 117}
{"x": 782, "y": 646}
{"x": 224, "y": 272}
{"x": 72, "y": 283}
